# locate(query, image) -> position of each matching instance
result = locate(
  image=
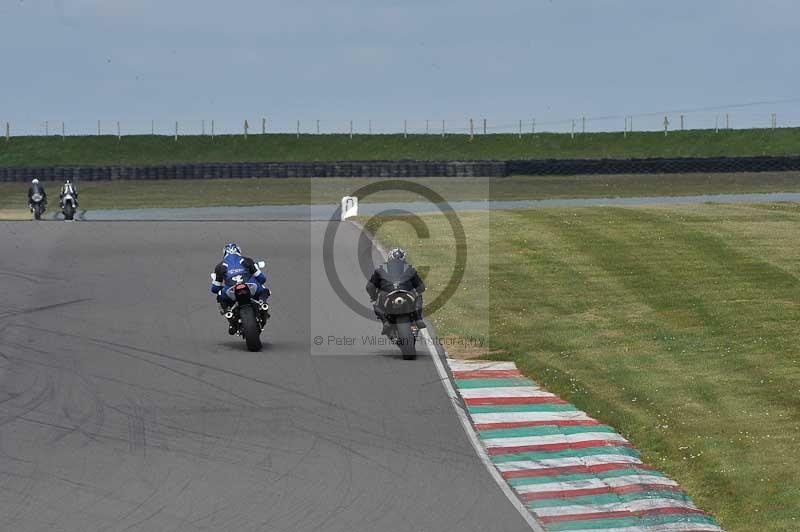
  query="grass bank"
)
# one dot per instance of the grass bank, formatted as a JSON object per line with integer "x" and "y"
{"x": 677, "y": 325}
{"x": 152, "y": 150}
{"x": 243, "y": 192}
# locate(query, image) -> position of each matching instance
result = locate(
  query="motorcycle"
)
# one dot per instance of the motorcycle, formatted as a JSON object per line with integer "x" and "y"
{"x": 248, "y": 314}
{"x": 37, "y": 206}
{"x": 400, "y": 309}
{"x": 68, "y": 206}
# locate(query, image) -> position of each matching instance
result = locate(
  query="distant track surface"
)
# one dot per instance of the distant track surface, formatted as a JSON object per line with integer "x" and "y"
{"x": 125, "y": 406}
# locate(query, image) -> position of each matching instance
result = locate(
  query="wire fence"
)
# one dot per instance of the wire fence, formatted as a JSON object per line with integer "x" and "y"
{"x": 743, "y": 116}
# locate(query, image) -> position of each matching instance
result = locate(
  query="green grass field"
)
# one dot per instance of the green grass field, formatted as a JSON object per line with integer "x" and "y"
{"x": 243, "y": 192}
{"x": 677, "y": 325}
{"x": 151, "y": 150}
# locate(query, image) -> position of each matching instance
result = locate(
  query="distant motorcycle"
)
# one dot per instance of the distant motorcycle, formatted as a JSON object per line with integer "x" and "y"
{"x": 249, "y": 314}
{"x": 38, "y": 206}
{"x": 68, "y": 206}
{"x": 400, "y": 308}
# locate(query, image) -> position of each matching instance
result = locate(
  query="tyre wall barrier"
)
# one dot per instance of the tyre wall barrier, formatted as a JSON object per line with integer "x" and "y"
{"x": 402, "y": 169}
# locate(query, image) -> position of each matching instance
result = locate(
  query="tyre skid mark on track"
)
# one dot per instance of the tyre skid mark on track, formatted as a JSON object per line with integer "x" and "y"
{"x": 119, "y": 348}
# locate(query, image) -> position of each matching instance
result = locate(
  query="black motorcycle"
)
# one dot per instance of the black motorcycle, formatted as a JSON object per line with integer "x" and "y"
{"x": 400, "y": 309}
{"x": 37, "y": 206}
{"x": 248, "y": 314}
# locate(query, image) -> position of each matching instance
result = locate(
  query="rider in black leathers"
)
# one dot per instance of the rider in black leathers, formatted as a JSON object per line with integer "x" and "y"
{"x": 395, "y": 270}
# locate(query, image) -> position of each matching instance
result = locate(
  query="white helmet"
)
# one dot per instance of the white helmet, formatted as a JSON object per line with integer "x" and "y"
{"x": 35, "y": 182}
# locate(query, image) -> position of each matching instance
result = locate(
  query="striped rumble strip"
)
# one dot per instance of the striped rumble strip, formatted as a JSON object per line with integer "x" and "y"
{"x": 573, "y": 472}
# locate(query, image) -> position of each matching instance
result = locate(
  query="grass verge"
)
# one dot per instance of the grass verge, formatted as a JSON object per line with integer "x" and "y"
{"x": 676, "y": 325}
{"x": 151, "y": 150}
{"x": 243, "y": 192}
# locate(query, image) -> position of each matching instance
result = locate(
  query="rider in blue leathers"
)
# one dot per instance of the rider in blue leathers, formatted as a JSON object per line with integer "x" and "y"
{"x": 234, "y": 269}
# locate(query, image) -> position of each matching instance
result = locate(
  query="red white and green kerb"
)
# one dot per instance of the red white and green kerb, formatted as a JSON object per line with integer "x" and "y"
{"x": 573, "y": 472}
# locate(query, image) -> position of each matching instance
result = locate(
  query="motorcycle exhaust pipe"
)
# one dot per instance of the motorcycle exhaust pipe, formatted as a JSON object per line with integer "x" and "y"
{"x": 229, "y": 315}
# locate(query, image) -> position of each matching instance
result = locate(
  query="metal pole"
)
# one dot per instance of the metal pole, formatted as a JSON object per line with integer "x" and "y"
{"x": 298, "y": 129}
{"x": 176, "y": 131}
{"x": 212, "y": 130}
{"x": 681, "y": 122}
{"x": 573, "y": 129}
{"x": 405, "y": 129}
{"x": 625, "y": 133}
{"x": 263, "y": 126}
{"x": 246, "y": 125}
{"x": 317, "y": 127}
{"x": 203, "y": 127}
{"x": 666, "y": 125}
{"x": 471, "y": 130}
{"x": 370, "y": 127}
{"x": 152, "y": 127}
{"x": 98, "y": 128}
{"x": 427, "y": 127}
{"x": 443, "y": 129}
{"x": 583, "y": 124}
{"x": 520, "y": 129}
{"x": 46, "y": 127}
{"x": 533, "y": 126}
{"x": 8, "y": 131}
{"x": 351, "y": 129}
{"x": 727, "y": 121}
{"x": 484, "y": 126}
{"x": 63, "y": 130}
{"x": 716, "y": 124}
{"x": 119, "y": 132}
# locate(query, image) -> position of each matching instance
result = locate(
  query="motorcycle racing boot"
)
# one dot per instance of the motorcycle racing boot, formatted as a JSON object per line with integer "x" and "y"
{"x": 232, "y": 328}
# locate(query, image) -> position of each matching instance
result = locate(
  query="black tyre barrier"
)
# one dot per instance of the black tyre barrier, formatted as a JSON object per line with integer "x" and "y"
{"x": 400, "y": 169}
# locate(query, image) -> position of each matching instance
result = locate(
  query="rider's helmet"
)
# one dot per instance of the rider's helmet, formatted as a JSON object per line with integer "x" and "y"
{"x": 35, "y": 182}
{"x": 397, "y": 254}
{"x": 231, "y": 249}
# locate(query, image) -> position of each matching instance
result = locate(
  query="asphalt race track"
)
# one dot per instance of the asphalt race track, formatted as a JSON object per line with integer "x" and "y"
{"x": 125, "y": 406}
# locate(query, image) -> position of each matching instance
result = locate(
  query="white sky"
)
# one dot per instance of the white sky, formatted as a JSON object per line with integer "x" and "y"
{"x": 137, "y": 60}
